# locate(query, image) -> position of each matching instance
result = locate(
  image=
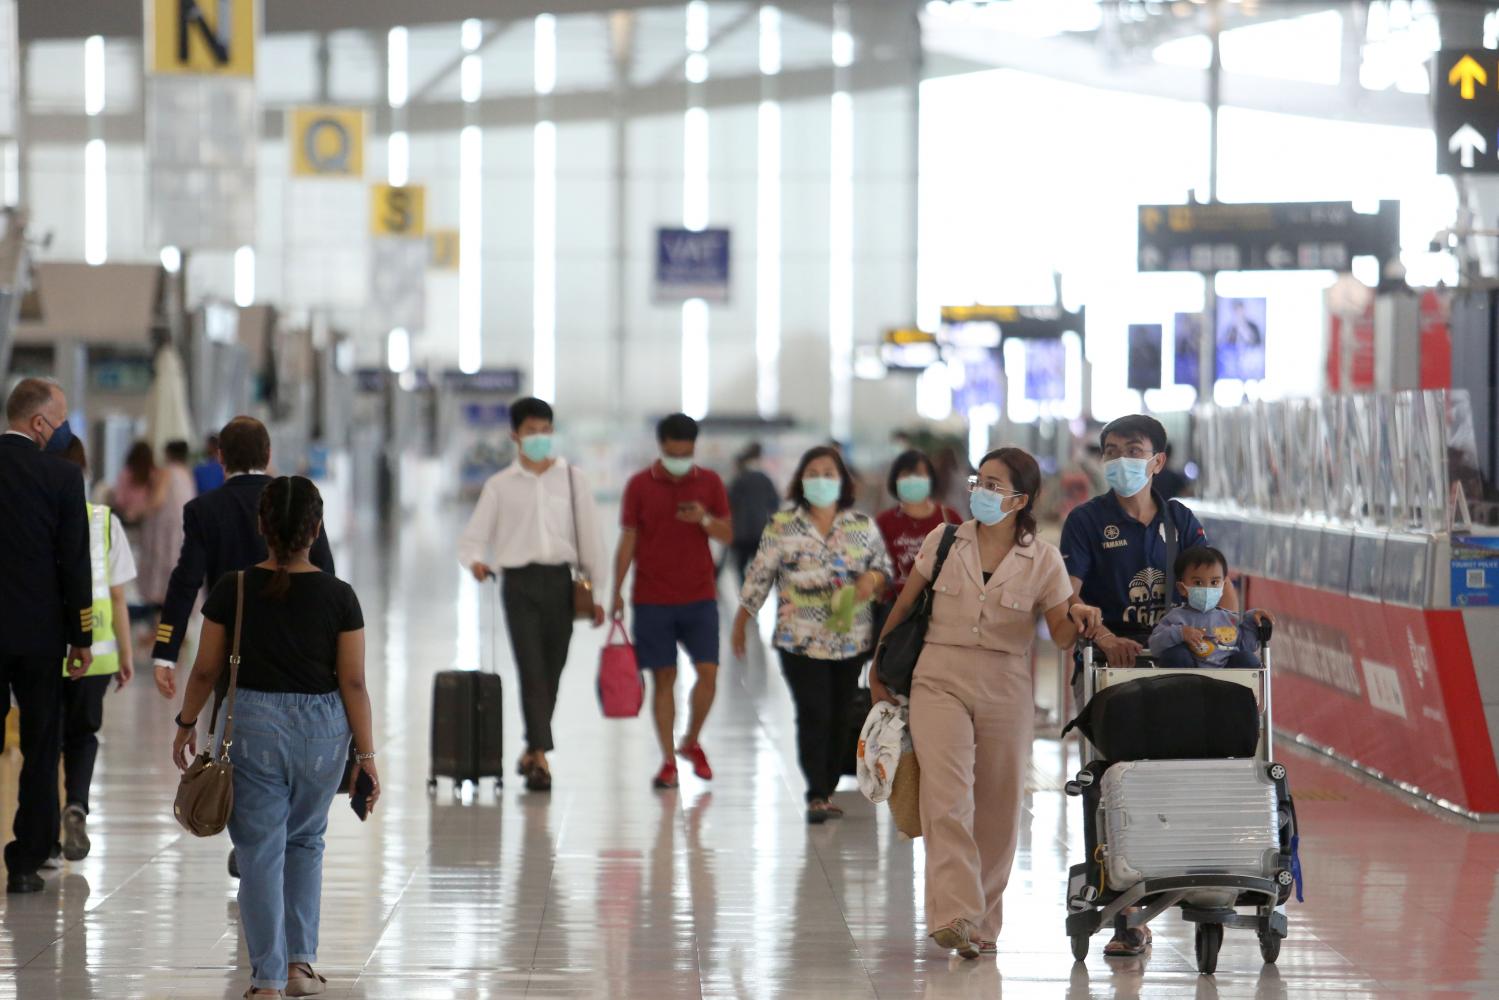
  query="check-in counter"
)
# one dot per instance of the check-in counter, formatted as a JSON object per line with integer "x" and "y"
{"x": 1385, "y": 647}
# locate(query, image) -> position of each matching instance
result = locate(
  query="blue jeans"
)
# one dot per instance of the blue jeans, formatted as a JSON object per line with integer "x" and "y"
{"x": 289, "y": 752}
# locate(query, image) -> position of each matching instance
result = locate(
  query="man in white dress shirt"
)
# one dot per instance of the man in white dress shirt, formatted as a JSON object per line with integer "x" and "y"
{"x": 535, "y": 521}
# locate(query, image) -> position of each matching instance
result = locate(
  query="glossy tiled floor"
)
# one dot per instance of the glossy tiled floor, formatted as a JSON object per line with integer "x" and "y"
{"x": 606, "y": 888}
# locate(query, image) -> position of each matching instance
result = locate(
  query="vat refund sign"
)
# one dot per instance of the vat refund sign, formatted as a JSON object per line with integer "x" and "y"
{"x": 692, "y": 264}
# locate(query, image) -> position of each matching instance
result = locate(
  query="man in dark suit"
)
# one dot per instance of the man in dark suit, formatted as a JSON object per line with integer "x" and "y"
{"x": 46, "y": 606}
{"x": 220, "y": 534}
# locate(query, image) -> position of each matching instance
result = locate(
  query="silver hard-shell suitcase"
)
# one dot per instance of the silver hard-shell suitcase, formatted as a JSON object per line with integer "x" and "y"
{"x": 1167, "y": 818}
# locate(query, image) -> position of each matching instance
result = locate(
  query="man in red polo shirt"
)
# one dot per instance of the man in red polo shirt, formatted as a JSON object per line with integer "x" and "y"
{"x": 668, "y": 514}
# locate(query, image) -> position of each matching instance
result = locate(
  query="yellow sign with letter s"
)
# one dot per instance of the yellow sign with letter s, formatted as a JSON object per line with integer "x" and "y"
{"x": 398, "y": 210}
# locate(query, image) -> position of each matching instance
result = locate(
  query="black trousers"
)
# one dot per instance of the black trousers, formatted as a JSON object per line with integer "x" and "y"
{"x": 823, "y": 691}
{"x": 539, "y": 614}
{"x": 82, "y": 715}
{"x": 35, "y": 683}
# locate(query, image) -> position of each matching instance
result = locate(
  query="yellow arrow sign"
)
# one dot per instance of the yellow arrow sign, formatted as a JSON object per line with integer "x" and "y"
{"x": 1465, "y": 74}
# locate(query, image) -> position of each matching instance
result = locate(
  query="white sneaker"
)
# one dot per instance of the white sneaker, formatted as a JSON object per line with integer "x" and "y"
{"x": 75, "y": 842}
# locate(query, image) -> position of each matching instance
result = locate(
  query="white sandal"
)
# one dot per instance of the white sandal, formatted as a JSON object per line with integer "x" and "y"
{"x": 305, "y": 986}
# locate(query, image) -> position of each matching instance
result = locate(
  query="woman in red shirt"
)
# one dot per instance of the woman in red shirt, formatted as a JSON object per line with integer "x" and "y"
{"x": 905, "y": 526}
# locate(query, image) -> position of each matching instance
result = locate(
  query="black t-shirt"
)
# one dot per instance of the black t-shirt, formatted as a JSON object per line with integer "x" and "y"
{"x": 287, "y": 646}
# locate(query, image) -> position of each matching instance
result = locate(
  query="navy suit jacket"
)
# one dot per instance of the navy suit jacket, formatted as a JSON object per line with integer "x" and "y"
{"x": 220, "y": 534}
{"x": 46, "y": 586}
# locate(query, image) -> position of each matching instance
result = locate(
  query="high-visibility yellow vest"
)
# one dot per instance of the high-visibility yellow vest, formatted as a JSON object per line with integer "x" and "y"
{"x": 106, "y": 649}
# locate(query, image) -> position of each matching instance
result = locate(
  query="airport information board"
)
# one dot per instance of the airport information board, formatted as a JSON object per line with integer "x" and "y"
{"x": 1265, "y": 236}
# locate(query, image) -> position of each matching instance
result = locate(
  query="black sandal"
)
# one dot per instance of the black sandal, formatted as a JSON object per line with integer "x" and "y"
{"x": 1128, "y": 943}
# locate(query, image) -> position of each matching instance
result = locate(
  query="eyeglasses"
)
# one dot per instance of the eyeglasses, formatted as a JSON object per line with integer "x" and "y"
{"x": 992, "y": 485}
{"x": 1134, "y": 450}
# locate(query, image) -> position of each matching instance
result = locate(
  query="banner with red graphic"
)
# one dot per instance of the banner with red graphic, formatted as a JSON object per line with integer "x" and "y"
{"x": 1390, "y": 687}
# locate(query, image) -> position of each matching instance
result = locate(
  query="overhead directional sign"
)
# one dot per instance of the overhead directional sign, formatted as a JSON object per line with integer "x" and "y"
{"x": 1465, "y": 84}
{"x": 1265, "y": 236}
{"x": 1018, "y": 321}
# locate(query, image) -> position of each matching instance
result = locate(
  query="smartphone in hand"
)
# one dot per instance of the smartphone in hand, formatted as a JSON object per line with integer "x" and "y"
{"x": 364, "y": 787}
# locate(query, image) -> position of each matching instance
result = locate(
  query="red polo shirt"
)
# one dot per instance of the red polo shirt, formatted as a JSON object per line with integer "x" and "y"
{"x": 673, "y": 564}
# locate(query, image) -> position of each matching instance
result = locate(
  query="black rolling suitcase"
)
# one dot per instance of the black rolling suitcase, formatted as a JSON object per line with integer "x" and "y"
{"x": 467, "y": 724}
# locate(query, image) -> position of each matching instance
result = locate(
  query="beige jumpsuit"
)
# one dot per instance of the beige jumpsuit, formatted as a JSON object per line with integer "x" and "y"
{"x": 971, "y": 719}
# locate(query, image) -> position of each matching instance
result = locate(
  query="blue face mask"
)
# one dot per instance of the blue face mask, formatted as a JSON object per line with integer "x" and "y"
{"x": 987, "y": 506}
{"x": 62, "y": 436}
{"x": 678, "y": 467}
{"x": 1127, "y": 476}
{"x": 1204, "y": 598}
{"x": 913, "y": 489}
{"x": 536, "y": 447}
{"x": 821, "y": 492}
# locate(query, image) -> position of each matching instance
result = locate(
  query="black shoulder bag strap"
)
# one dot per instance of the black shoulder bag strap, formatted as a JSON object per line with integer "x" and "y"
{"x": 1168, "y": 521}
{"x": 572, "y": 501}
{"x": 948, "y": 534}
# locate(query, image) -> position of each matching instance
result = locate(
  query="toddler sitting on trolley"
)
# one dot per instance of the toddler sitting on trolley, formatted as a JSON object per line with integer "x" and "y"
{"x": 1200, "y": 633}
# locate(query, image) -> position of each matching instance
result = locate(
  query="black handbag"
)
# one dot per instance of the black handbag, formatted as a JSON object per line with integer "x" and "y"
{"x": 895, "y": 658}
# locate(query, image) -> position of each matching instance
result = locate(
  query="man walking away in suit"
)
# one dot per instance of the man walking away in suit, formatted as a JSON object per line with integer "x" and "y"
{"x": 220, "y": 534}
{"x": 46, "y": 606}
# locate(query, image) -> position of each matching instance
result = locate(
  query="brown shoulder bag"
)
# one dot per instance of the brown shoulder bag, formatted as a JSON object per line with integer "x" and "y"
{"x": 205, "y": 795}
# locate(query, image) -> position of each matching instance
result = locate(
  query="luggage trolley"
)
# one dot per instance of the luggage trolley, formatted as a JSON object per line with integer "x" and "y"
{"x": 1212, "y": 836}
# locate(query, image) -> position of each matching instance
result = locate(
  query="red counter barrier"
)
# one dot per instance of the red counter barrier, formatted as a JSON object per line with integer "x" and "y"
{"x": 1390, "y": 687}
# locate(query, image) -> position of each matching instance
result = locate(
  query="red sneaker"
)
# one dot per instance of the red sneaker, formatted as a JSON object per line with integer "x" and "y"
{"x": 699, "y": 760}
{"x": 666, "y": 777}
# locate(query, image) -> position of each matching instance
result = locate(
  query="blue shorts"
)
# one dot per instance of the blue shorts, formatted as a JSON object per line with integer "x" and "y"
{"x": 659, "y": 628}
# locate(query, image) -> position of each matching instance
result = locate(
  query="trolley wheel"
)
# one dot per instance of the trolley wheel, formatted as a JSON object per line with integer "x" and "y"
{"x": 1209, "y": 940}
{"x": 431, "y": 787}
{"x": 1269, "y": 946}
{"x": 1080, "y": 947}
{"x": 1277, "y": 772}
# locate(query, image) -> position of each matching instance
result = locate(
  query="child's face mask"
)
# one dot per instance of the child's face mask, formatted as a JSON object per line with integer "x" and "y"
{"x": 1204, "y": 598}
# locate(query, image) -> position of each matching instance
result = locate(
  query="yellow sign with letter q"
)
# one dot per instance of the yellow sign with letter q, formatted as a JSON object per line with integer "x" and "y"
{"x": 398, "y": 210}
{"x": 202, "y": 37}
{"x": 327, "y": 142}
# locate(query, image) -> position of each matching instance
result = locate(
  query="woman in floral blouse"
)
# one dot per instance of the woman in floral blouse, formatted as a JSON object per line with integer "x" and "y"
{"x": 828, "y": 562}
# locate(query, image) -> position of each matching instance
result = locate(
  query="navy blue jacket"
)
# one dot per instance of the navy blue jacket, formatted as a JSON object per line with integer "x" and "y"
{"x": 220, "y": 534}
{"x": 46, "y": 587}
{"x": 1123, "y": 563}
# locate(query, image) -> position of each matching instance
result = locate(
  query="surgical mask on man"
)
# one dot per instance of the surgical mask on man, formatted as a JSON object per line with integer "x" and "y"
{"x": 678, "y": 467}
{"x": 988, "y": 507}
{"x": 1204, "y": 599}
{"x": 913, "y": 489}
{"x": 1127, "y": 476}
{"x": 62, "y": 436}
{"x": 536, "y": 447}
{"x": 821, "y": 491}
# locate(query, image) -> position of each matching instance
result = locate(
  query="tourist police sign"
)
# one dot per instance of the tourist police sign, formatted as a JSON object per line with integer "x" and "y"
{"x": 1274, "y": 236}
{"x": 1466, "y": 91}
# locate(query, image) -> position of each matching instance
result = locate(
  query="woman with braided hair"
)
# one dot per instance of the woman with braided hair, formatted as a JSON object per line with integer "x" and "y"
{"x": 301, "y": 697}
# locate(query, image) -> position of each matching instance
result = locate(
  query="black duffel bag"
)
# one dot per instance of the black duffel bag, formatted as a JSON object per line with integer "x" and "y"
{"x": 895, "y": 659}
{"x": 1171, "y": 717}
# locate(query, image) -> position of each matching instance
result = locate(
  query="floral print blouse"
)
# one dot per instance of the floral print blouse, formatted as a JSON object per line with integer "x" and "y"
{"x": 809, "y": 571}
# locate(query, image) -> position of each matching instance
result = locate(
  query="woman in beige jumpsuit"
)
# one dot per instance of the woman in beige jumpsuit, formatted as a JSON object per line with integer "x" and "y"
{"x": 971, "y": 702}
